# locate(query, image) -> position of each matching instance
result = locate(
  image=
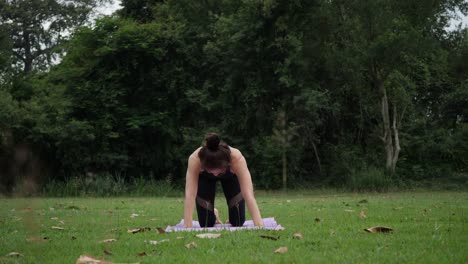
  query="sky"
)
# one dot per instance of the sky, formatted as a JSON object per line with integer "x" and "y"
{"x": 111, "y": 7}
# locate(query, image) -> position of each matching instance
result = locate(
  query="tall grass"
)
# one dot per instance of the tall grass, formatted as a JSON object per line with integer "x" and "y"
{"x": 370, "y": 179}
{"x": 108, "y": 186}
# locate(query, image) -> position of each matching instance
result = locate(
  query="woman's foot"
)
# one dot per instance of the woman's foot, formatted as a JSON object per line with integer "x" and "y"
{"x": 216, "y": 213}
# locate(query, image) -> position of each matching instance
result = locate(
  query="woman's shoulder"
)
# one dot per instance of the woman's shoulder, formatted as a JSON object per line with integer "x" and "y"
{"x": 235, "y": 154}
{"x": 195, "y": 153}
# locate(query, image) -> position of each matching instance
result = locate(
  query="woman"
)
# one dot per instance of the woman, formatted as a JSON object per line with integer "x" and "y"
{"x": 214, "y": 161}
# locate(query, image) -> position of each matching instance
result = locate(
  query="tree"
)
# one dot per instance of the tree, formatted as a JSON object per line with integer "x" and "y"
{"x": 383, "y": 40}
{"x": 38, "y": 28}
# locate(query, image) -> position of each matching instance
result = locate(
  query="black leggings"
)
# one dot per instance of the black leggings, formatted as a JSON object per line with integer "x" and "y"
{"x": 206, "y": 197}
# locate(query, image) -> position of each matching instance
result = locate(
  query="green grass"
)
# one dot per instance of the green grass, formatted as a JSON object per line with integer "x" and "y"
{"x": 430, "y": 227}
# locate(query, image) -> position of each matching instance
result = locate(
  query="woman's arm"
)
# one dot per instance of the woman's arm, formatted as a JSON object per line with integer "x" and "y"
{"x": 239, "y": 166}
{"x": 191, "y": 187}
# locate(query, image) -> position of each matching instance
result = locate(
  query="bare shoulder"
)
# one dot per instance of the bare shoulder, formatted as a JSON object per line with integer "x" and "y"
{"x": 236, "y": 155}
{"x": 194, "y": 155}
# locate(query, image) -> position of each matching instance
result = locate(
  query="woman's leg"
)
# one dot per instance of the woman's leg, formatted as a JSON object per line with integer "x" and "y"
{"x": 234, "y": 200}
{"x": 205, "y": 202}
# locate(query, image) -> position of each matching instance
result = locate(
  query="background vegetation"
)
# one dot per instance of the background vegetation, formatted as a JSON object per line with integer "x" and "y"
{"x": 363, "y": 94}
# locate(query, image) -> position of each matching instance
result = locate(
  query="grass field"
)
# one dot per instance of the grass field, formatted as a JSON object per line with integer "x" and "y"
{"x": 429, "y": 227}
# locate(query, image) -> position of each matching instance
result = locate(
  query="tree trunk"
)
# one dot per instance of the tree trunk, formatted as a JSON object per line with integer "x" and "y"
{"x": 397, "y": 148}
{"x": 387, "y": 132}
{"x": 317, "y": 157}
{"x": 285, "y": 142}
{"x": 390, "y": 131}
{"x": 28, "y": 58}
{"x": 285, "y": 171}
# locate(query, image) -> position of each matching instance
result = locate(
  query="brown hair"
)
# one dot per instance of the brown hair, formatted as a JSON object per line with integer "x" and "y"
{"x": 214, "y": 153}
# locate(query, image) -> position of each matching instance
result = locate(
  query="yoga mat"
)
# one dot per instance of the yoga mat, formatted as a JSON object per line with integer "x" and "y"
{"x": 268, "y": 223}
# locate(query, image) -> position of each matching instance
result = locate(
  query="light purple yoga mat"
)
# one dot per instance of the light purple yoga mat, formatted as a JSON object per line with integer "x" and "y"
{"x": 268, "y": 223}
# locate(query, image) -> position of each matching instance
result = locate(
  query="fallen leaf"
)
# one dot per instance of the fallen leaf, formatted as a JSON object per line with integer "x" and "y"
{"x": 58, "y": 228}
{"x": 142, "y": 254}
{"x": 180, "y": 237}
{"x": 208, "y": 235}
{"x": 378, "y": 229}
{"x": 317, "y": 219}
{"x": 298, "y": 235}
{"x": 160, "y": 230}
{"x": 134, "y": 215}
{"x": 37, "y": 239}
{"x": 54, "y": 218}
{"x": 269, "y": 237}
{"x": 278, "y": 228}
{"x": 86, "y": 259}
{"x": 281, "y": 250}
{"x": 14, "y": 254}
{"x": 108, "y": 240}
{"x": 362, "y": 214}
{"x": 191, "y": 245}
{"x": 107, "y": 252}
{"x": 349, "y": 211}
{"x": 154, "y": 242}
{"x": 137, "y": 230}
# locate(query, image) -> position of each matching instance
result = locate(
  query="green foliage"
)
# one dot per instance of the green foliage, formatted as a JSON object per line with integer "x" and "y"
{"x": 134, "y": 94}
{"x": 37, "y": 29}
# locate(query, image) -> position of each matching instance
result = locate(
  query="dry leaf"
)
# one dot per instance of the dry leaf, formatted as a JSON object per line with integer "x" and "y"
{"x": 154, "y": 242}
{"x": 108, "y": 240}
{"x": 107, "y": 252}
{"x": 349, "y": 211}
{"x": 281, "y": 250}
{"x": 85, "y": 259}
{"x": 37, "y": 239}
{"x": 142, "y": 254}
{"x": 278, "y": 228}
{"x": 191, "y": 245}
{"x": 362, "y": 214}
{"x": 62, "y": 222}
{"x": 58, "y": 228}
{"x": 298, "y": 235}
{"x": 208, "y": 235}
{"x": 269, "y": 237}
{"x": 180, "y": 237}
{"x": 134, "y": 215}
{"x": 14, "y": 254}
{"x": 317, "y": 219}
{"x": 137, "y": 230}
{"x": 54, "y": 218}
{"x": 379, "y": 229}
{"x": 160, "y": 230}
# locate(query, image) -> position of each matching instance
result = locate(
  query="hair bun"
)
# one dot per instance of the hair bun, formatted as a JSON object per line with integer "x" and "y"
{"x": 212, "y": 141}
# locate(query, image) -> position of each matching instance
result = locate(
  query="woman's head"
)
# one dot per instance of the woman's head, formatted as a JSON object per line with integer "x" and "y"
{"x": 214, "y": 153}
